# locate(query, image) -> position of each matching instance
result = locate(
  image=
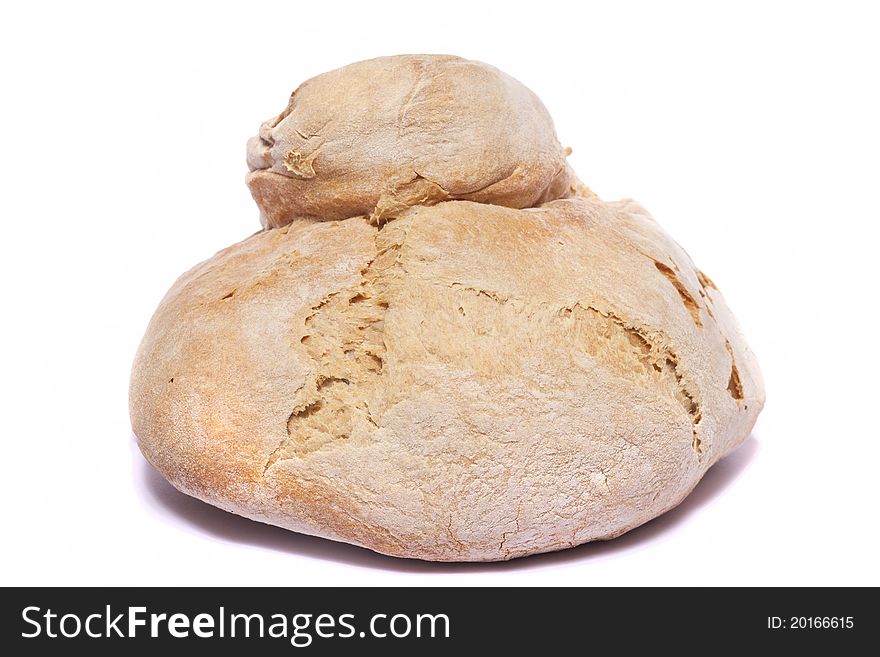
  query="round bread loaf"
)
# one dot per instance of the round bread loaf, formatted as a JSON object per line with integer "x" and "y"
{"x": 378, "y": 136}
{"x": 506, "y": 366}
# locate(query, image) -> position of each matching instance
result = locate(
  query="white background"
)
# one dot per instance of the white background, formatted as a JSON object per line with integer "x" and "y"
{"x": 750, "y": 131}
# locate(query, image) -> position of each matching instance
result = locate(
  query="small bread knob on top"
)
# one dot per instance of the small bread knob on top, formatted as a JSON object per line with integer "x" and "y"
{"x": 441, "y": 346}
{"x": 378, "y": 136}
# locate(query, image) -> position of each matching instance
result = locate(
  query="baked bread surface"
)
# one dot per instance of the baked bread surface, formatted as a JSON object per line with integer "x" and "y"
{"x": 377, "y": 136}
{"x": 448, "y": 380}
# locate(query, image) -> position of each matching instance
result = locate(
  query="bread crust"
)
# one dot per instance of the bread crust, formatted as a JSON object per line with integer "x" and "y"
{"x": 381, "y": 135}
{"x": 463, "y": 382}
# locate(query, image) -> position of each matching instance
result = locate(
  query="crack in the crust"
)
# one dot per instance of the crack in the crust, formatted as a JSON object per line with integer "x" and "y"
{"x": 482, "y": 188}
{"x": 655, "y": 357}
{"x": 422, "y": 191}
{"x": 506, "y": 535}
{"x": 641, "y": 339}
{"x": 300, "y": 165}
{"x": 303, "y": 412}
{"x": 369, "y": 416}
{"x": 307, "y": 136}
{"x": 275, "y": 454}
{"x": 343, "y": 335}
{"x": 705, "y": 281}
{"x": 734, "y": 384}
{"x": 494, "y": 296}
{"x": 418, "y": 175}
{"x": 451, "y": 534}
{"x": 419, "y": 190}
{"x": 686, "y": 297}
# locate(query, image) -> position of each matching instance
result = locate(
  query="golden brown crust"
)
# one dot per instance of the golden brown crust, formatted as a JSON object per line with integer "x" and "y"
{"x": 467, "y": 382}
{"x": 468, "y": 357}
{"x": 378, "y": 136}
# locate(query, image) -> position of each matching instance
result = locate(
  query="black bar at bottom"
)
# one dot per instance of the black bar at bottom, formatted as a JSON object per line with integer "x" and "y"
{"x": 435, "y": 620}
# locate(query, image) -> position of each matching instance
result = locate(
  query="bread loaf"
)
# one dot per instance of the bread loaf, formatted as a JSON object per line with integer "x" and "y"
{"x": 442, "y": 345}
